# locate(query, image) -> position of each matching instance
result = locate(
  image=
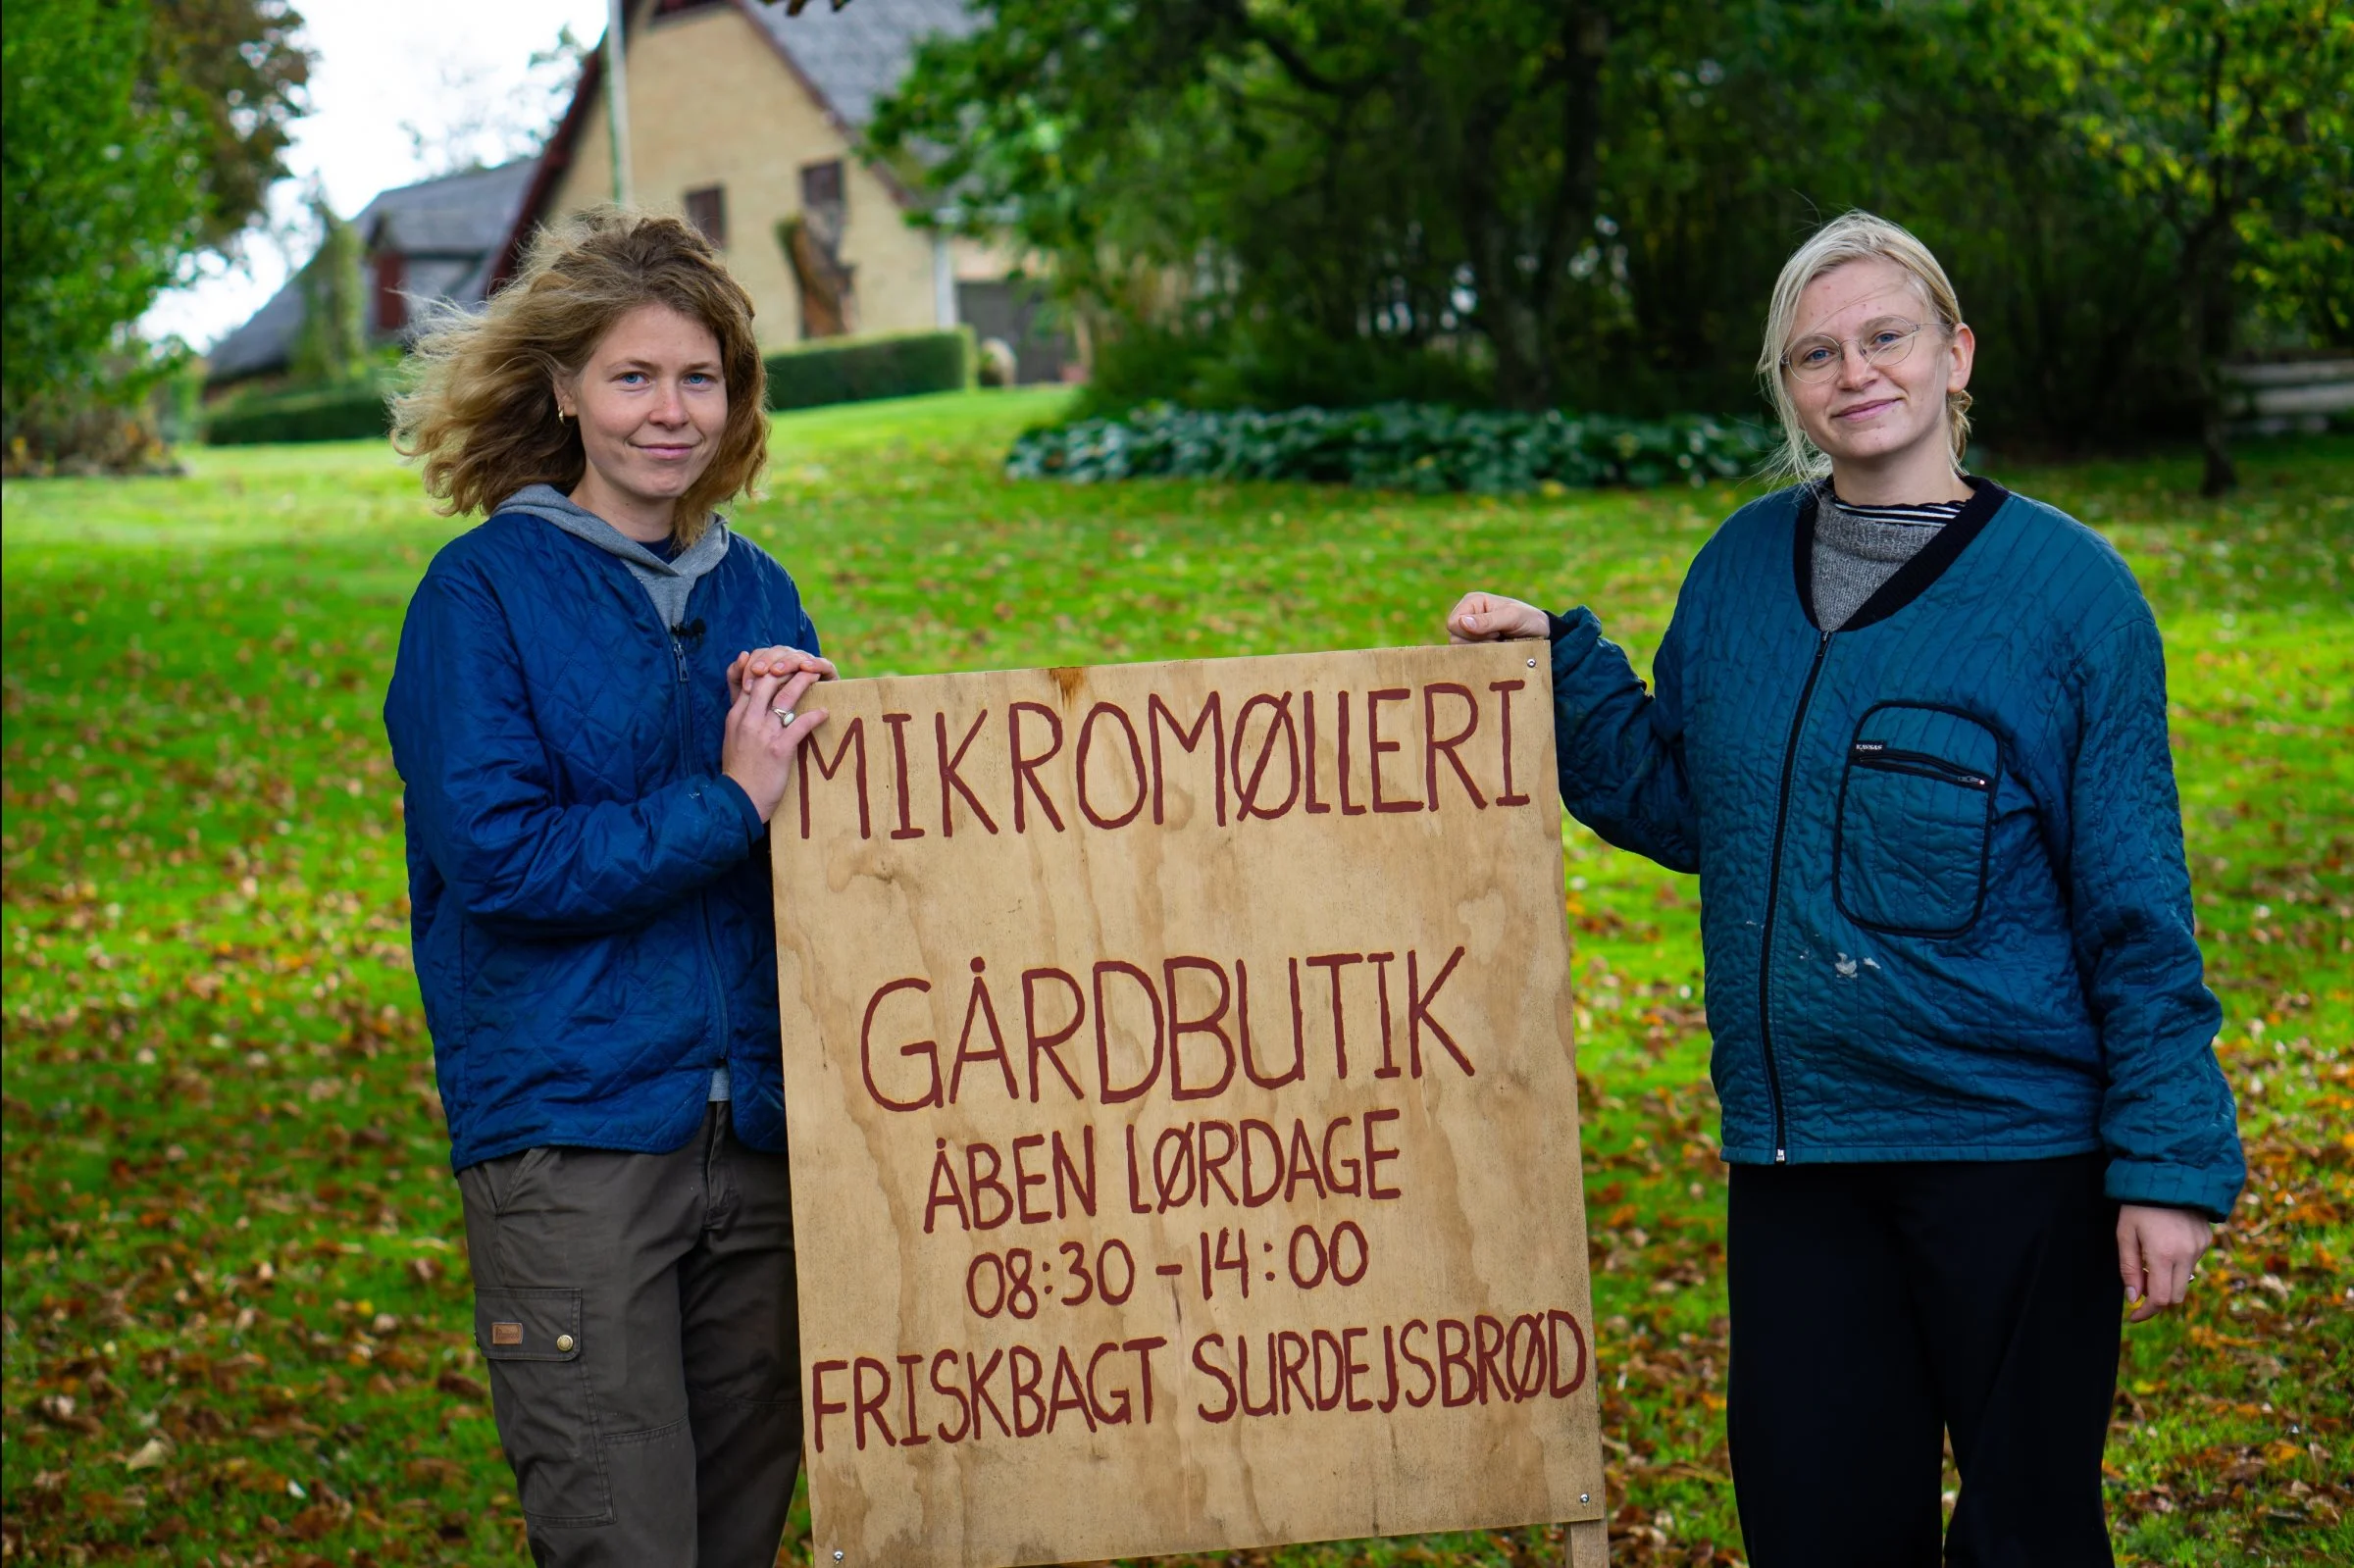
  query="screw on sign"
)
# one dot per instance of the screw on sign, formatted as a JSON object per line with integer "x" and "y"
{"x": 1183, "y": 1110}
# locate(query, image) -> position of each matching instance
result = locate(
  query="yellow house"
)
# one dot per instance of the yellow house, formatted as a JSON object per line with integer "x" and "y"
{"x": 745, "y": 121}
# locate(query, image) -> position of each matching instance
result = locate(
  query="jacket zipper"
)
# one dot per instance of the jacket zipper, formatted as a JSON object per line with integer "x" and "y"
{"x": 1868, "y": 755}
{"x": 1774, "y": 897}
{"x": 702, "y": 900}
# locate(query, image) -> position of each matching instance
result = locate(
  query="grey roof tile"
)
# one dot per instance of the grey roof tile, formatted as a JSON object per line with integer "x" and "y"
{"x": 461, "y": 215}
{"x": 856, "y": 55}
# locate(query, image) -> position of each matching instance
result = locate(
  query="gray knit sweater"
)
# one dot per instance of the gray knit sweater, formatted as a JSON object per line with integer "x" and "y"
{"x": 1857, "y": 548}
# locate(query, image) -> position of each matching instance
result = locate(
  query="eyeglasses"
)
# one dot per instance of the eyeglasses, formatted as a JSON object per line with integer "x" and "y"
{"x": 1880, "y": 344}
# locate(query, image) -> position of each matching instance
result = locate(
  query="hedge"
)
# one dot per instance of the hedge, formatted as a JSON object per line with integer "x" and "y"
{"x": 853, "y": 369}
{"x": 1392, "y": 446}
{"x": 330, "y": 413}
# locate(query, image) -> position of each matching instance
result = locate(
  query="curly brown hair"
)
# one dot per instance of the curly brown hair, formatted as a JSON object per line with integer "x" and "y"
{"x": 480, "y": 408}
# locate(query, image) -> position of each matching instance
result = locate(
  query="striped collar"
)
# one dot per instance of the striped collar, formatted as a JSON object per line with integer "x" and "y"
{"x": 1931, "y": 514}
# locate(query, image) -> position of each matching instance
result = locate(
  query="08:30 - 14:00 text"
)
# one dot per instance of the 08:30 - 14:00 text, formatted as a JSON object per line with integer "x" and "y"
{"x": 1014, "y": 1281}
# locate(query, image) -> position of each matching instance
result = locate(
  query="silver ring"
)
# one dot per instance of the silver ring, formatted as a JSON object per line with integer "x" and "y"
{"x": 784, "y": 714}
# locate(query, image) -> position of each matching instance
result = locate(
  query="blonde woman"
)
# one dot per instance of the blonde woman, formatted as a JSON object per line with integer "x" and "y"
{"x": 594, "y": 712}
{"x": 1909, "y": 729}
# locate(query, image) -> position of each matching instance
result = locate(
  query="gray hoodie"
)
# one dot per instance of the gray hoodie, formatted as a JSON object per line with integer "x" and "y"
{"x": 666, "y": 583}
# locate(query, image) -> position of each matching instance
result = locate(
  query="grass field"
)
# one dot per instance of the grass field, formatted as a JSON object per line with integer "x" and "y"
{"x": 236, "y": 1325}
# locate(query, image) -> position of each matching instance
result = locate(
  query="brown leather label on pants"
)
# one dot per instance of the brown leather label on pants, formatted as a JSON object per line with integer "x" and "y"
{"x": 506, "y": 1334}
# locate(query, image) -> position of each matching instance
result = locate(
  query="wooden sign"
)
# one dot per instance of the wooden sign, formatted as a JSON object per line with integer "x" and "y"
{"x": 1183, "y": 1114}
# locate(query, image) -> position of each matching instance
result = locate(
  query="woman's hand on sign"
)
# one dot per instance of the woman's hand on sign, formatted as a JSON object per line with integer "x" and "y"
{"x": 2158, "y": 1252}
{"x": 1493, "y": 617}
{"x": 781, "y": 662}
{"x": 765, "y": 727}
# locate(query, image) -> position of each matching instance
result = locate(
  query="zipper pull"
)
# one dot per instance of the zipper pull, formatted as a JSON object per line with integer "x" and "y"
{"x": 678, "y": 653}
{"x": 1781, "y": 1156}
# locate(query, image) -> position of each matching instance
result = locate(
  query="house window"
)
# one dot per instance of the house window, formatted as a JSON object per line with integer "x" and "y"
{"x": 707, "y": 209}
{"x": 813, "y": 245}
{"x": 824, "y": 205}
{"x": 391, "y": 277}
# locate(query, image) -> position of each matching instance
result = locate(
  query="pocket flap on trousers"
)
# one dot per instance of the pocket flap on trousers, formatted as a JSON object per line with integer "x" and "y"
{"x": 528, "y": 1324}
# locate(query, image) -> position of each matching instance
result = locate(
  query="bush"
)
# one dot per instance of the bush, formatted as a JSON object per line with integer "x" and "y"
{"x": 81, "y": 430}
{"x": 854, "y": 370}
{"x": 308, "y": 414}
{"x": 1394, "y": 446}
{"x": 1272, "y": 365}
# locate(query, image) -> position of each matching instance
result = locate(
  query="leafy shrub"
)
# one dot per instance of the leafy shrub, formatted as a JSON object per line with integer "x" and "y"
{"x": 853, "y": 369}
{"x": 85, "y": 431}
{"x": 1394, "y": 446}
{"x": 1271, "y": 363}
{"x": 351, "y": 412}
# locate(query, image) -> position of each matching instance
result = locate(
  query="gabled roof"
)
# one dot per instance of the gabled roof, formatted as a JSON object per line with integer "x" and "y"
{"x": 852, "y": 58}
{"x": 265, "y": 343}
{"x": 462, "y": 214}
{"x": 460, "y": 222}
{"x": 848, "y": 60}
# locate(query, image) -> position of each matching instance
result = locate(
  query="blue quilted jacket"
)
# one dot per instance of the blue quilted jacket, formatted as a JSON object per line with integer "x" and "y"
{"x": 1943, "y": 898}
{"x": 589, "y": 897}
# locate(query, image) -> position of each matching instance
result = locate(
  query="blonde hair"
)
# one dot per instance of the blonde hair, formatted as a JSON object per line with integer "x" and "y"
{"x": 1850, "y": 237}
{"x": 481, "y": 409}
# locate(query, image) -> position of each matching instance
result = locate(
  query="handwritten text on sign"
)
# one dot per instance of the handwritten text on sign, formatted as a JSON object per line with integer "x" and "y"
{"x": 1183, "y": 1118}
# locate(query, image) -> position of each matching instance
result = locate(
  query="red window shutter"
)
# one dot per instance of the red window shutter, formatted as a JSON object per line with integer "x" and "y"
{"x": 391, "y": 277}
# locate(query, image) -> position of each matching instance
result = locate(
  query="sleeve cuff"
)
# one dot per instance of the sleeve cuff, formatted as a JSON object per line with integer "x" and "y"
{"x": 1573, "y": 636}
{"x": 753, "y": 827}
{"x": 2205, "y": 1192}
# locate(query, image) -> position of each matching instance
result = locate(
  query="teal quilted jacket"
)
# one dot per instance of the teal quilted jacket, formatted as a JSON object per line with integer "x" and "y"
{"x": 1943, "y": 897}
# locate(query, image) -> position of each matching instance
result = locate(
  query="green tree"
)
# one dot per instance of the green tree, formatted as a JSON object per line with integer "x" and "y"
{"x": 134, "y": 135}
{"x": 1734, "y": 130}
{"x": 1583, "y": 203}
{"x": 1356, "y": 168}
{"x": 332, "y": 345}
{"x": 2231, "y": 123}
{"x": 1587, "y": 203}
{"x": 241, "y": 76}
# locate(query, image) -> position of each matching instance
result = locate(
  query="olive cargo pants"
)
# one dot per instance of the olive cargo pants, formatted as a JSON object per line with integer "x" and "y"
{"x": 638, "y": 1315}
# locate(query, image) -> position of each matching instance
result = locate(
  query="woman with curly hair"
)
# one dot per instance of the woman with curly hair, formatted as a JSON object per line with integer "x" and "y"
{"x": 594, "y": 714}
{"x": 1909, "y": 729}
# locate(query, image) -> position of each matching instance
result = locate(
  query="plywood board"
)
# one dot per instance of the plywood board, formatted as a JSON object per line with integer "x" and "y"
{"x": 1183, "y": 1111}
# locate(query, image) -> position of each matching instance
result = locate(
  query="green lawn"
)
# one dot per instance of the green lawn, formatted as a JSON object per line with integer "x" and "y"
{"x": 237, "y": 1323}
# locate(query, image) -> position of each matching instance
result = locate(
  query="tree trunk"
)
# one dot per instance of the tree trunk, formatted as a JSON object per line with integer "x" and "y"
{"x": 1519, "y": 306}
{"x": 2207, "y": 348}
{"x": 2221, "y": 477}
{"x": 2207, "y": 310}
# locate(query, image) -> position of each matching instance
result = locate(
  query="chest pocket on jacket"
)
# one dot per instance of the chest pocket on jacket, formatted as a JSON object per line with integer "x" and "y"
{"x": 1916, "y": 821}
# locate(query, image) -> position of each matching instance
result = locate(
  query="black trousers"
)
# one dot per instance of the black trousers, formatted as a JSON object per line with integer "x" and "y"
{"x": 1877, "y": 1308}
{"x": 638, "y": 1315}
